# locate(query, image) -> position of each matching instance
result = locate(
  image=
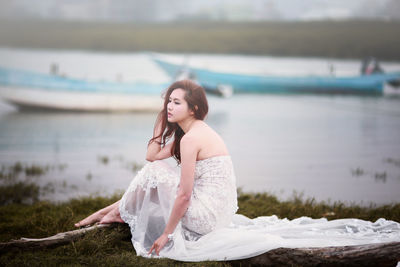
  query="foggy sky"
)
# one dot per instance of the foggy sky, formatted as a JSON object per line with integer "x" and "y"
{"x": 170, "y": 10}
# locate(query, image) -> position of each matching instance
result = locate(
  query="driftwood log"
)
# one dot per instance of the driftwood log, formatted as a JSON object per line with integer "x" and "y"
{"x": 381, "y": 254}
{"x": 51, "y": 241}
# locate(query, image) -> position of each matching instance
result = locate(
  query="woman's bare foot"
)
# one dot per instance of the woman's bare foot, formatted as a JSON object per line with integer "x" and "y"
{"x": 112, "y": 216}
{"x": 98, "y": 215}
{"x": 95, "y": 217}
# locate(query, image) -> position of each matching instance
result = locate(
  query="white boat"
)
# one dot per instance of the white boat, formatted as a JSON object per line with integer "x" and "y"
{"x": 30, "y": 90}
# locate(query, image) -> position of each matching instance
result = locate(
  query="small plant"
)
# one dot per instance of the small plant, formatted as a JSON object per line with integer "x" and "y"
{"x": 380, "y": 176}
{"x": 35, "y": 170}
{"x": 104, "y": 159}
{"x": 17, "y": 168}
{"x": 357, "y": 172}
{"x": 134, "y": 166}
{"x": 393, "y": 161}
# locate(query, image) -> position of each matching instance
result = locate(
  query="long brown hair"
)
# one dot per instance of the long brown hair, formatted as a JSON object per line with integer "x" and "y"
{"x": 196, "y": 98}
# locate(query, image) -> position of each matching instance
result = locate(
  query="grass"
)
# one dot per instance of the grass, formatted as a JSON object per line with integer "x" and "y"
{"x": 254, "y": 205}
{"x": 333, "y": 39}
{"x": 22, "y": 214}
{"x": 112, "y": 247}
{"x": 18, "y": 183}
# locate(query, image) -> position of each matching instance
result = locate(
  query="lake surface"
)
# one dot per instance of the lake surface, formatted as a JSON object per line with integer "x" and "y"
{"x": 331, "y": 147}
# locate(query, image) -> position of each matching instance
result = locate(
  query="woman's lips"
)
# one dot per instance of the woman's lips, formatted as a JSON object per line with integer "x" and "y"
{"x": 169, "y": 114}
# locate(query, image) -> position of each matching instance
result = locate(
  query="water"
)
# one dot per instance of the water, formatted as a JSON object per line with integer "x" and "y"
{"x": 312, "y": 144}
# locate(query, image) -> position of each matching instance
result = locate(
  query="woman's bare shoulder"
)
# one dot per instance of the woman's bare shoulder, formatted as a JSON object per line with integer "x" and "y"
{"x": 199, "y": 131}
{"x": 188, "y": 138}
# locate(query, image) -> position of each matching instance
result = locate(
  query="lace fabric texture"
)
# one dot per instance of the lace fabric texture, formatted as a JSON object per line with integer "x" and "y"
{"x": 210, "y": 229}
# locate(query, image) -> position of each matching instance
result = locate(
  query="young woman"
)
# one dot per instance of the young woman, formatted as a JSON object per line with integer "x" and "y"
{"x": 201, "y": 199}
{"x": 188, "y": 212}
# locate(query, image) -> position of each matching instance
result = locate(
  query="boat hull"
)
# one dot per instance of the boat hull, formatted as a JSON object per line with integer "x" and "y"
{"x": 363, "y": 84}
{"x": 44, "y": 99}
{"x": 30, "y": 90}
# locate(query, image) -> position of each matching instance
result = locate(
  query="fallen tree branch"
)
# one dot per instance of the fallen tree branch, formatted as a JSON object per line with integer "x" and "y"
{"x": 381, "y": 254}
{"x": 55, "y": 240}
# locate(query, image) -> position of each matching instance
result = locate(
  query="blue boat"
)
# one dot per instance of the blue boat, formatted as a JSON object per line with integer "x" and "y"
{"x": 32, "y": 90}
{"x": 244, "y": 83}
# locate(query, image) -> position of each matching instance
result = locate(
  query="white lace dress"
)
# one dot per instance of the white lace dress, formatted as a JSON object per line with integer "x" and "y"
{"x": 210, "y": 229}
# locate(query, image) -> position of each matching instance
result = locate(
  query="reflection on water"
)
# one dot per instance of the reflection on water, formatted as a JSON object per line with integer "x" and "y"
{"x": 329, "y": 147}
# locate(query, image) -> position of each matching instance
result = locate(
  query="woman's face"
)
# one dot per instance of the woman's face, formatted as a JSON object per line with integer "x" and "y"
{"x": 177, "y": 107}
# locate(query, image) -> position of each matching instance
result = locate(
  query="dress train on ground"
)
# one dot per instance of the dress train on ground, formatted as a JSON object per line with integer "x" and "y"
{"x": 211, "y": 229}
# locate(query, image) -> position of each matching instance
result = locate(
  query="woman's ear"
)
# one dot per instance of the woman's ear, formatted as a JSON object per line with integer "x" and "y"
{"x": 195, "y": 108}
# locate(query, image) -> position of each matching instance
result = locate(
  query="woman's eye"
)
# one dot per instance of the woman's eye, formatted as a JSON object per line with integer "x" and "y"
{"x": 177, "y": 103}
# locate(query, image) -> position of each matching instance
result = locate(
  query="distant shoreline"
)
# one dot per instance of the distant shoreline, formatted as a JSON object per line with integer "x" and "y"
{"x": 331, "y": 39}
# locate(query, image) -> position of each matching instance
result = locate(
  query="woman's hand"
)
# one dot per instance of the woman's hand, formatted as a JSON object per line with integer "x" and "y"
{"x": 159, "y": 244}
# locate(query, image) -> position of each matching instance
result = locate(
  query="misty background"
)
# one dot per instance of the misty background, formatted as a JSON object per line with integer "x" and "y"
{"x": 338, "y": 147}
{"x": 177, "y": 10}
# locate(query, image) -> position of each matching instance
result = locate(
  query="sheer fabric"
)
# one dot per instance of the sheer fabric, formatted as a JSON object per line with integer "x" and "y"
{"x": 211, "y": 229}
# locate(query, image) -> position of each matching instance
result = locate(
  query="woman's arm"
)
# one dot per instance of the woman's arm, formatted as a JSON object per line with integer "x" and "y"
{"x": 189, "y": 152}
{"x": 162, "y": 153}
{"x": 154, "y": 150}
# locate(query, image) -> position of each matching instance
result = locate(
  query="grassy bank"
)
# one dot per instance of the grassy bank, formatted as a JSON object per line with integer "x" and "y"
{"x": 112, "y": 247}
{"x": 339, "y": 39}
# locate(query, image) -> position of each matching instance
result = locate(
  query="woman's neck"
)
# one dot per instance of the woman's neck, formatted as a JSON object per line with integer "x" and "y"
{"x": 187, "y": 124}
